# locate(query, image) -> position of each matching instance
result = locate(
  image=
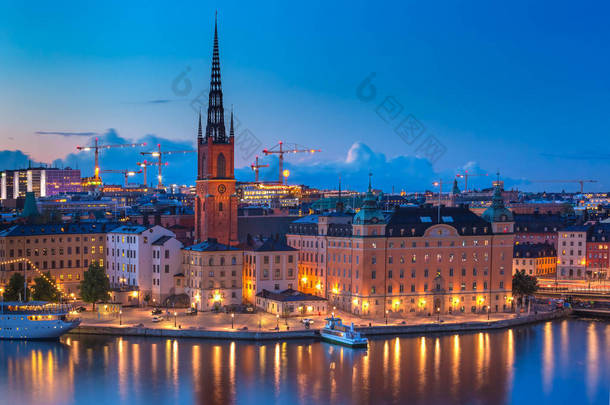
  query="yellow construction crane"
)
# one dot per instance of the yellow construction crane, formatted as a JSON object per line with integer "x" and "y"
{"x": 280, "y": 151}
{"x": 159, "y": 154}
{"x": 97, "y": 146}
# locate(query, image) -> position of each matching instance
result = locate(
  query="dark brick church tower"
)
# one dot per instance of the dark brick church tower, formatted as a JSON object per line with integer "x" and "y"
{"x": 216, "y": 202}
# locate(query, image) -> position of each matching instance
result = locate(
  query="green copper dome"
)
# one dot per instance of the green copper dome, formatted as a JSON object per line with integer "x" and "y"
{"x": 498, "y": 212}
{"x": 369, "y": 213}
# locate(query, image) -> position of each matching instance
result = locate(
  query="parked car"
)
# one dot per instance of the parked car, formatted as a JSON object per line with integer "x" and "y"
{"x": 191, "y": 311}
{"x": 307, "y": 321}
{"x": 157, "y": 318}
{"x": 156, "y": 311}
{"x": 80, "y": 309}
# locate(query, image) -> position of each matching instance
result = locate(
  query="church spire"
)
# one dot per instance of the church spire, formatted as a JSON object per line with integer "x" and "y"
{"x": 231, "y": 129}
{"x": 215, "y": 127}
{"x": 199, "y": 131}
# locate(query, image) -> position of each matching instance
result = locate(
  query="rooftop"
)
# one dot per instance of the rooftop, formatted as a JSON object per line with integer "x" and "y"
{"x": 59, "y": 229}
{"x": 289, "y": 295}
{"x": 210, "y": 245}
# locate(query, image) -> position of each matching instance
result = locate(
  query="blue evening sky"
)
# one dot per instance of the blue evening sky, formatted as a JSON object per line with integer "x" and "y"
{"x": 518, "y": 86}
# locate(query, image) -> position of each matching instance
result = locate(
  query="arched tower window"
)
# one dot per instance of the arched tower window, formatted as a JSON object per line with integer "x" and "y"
{"x": 221, "y": 166}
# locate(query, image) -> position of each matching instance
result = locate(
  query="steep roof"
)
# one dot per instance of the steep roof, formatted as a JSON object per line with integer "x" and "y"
{"x": 413, "y": 221}
{"x": 59, "y": 229}
{"x": 161, "y": 241}
{"x": 289, "y": 295}
{"x": 210, "y": 245}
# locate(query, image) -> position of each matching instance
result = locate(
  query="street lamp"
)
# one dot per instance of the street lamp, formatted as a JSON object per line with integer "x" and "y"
{"x": 438, "y": 314}
{"x": 232, "y": 321}
{"x": 175, "y": 317}
{"x": 387, "y": 312}
{"x": 277, "y": 318}
{"x": 120, "y": 317}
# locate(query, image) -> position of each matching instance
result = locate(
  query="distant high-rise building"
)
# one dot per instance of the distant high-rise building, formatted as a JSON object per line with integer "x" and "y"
{"x": 42, "y": 181}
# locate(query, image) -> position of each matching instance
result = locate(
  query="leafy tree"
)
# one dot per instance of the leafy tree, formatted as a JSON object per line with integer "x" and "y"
{"x": 567, "y": 210}
{"x": 44, "y": 290}
{"x": 15, "y": 288}
{"x": 524, "y": 285}
{"x": 95, "y": 285}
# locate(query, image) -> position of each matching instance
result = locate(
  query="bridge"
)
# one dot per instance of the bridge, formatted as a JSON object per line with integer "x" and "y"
{"x": 578, "y": 294}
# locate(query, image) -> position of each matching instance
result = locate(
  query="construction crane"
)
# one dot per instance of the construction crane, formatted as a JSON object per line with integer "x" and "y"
{"x": 126, "y": 173}
{"x": 255, "y": 166}
{"x": 144, "y": 165}
{"x": 280, "y": 151}
{"x": 159, "y": 154}
{"x": 579, "y": 181}
{"x": 96, "y": 147}
{"x": 466, "y": 175}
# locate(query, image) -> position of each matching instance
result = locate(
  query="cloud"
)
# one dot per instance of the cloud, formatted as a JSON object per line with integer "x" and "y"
{"x": 399, "y": 173}
{"x": 64, "y": 133}
{"x": 181, "y": 169}
{"x": 16, "y": 159}
{"x": 577, "y": 156}
{"x": 159, "y": 101}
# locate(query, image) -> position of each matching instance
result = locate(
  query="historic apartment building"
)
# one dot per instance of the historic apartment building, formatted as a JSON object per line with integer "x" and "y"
{"x": 269, "y": 264}
{"x": 213, "y": 274}
{"x": 536, "y": 259}
{"x": 571, "y": 252}
{"x": 64, "y": 250}
{"x": 413, "y": 260}
{"x": 129, "y": 257}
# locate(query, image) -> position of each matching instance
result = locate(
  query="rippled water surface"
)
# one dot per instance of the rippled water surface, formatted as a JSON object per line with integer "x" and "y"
{"x": 566, "y": 361}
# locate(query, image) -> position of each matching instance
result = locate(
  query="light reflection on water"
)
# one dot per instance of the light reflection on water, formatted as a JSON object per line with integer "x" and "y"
{"x": 562, "y": 361}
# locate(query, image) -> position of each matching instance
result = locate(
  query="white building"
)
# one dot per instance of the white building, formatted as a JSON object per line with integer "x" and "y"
{"x": 571, "y": 252}
{"x": 129, "y": 256}
{"x": 166, "y": 263}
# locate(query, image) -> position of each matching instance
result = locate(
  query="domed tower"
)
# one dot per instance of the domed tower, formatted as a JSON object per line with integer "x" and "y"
{"x": 369, "y": 221}
{"x": 501, "y": 218}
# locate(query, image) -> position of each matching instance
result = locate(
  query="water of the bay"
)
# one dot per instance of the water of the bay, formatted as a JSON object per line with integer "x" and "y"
{"x": 560, "y": 362}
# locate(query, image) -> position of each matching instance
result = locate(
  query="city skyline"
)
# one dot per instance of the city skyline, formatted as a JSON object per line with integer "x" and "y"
{"x": 305, "y": 86}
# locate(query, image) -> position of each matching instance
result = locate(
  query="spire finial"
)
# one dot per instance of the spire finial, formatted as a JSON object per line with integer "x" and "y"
{"x": 215, "y": 127}
{"x": 231, "y": 129}
{"x": 340, "y": 202}
{"x": 370, "y": 175}
{"x": 200, "y": 131}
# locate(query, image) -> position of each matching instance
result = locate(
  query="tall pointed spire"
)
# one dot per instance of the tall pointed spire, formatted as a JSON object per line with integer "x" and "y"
{"x": 199, "y": 131}
{"x": 215, "y": 127}
{"x": 231, "y": 129}
{"x": 339, "y": 206}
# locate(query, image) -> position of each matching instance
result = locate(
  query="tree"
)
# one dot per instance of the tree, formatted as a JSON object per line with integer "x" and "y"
{"x": 15, "y": 288}
{"x": 524, "y": 285}
{"x": 44, "y": 290}
{"x": 95, "y": 285}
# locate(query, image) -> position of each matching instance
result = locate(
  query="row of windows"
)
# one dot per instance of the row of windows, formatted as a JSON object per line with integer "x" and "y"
{"x": 60, "y": 264}
{"x": 348, "y": 273}
{"x": 60, "y": 240}
{"x": 194, "y": 260}
{"x": 52, "y": 251}
{"x": 347, "y": 288}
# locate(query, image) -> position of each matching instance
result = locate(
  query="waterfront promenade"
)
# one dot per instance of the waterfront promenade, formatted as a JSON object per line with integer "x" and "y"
{"x": 138, "y": 322}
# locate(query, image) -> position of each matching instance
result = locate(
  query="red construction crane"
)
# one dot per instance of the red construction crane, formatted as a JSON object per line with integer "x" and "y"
{"x": 144, "y": 165}
{"x": 126, "y": 173}
{"x": 581, "y": 182}
{"x": 96, "y": 147}
{"x": 466, "y": 175}
{"x": 255, "y": 166}
{"x": 291, "y": 148}
{"x": 159, "y": 154}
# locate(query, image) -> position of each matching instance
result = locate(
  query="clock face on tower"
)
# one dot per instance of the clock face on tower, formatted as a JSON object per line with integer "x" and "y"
{"x": 222, "y": 188}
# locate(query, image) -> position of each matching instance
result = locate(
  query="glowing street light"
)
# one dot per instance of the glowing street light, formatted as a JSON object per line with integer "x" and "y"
{"x": 232, "y": 321}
